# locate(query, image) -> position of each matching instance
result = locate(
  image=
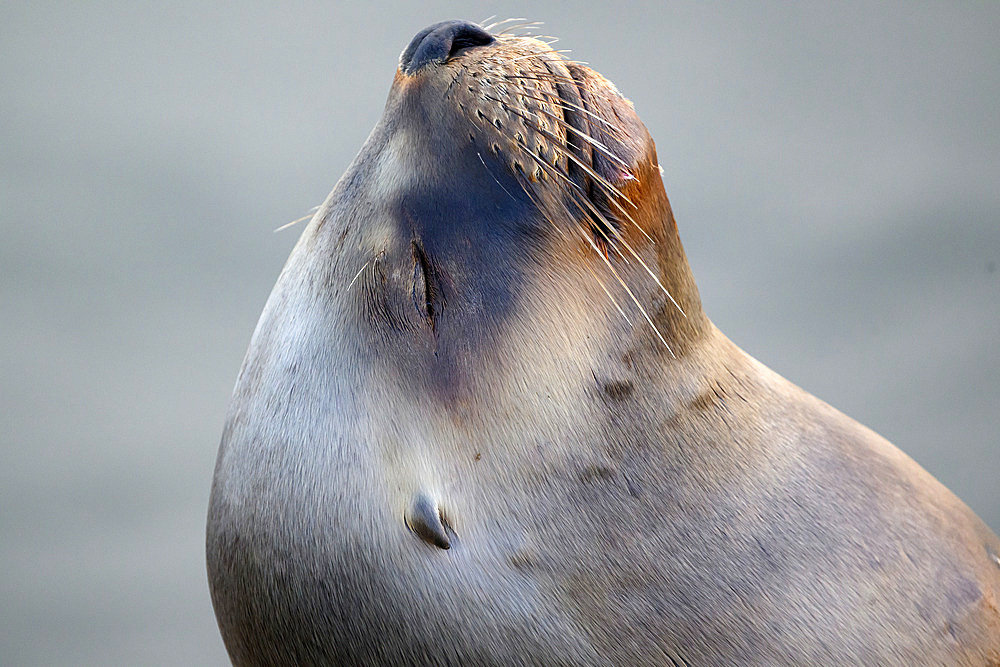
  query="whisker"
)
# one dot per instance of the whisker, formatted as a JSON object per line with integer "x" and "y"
{"x": 557, "y": 145}
{"x": 593, "y": 209}
{"x": 548, "y": 167}
{"x": 634, "y": 254}
{"x": 311, "y": 213}
{"x": 583, "y": 196}
{"x": 593, "y": 273}
{"x": 603, "y": 229}
{"x": 631, "y": 219}
{"x": 610, "y": 297}
{"x": 621, "y": 240}
{"x": 542, "y": 209}
{"x": 528, "y": 24}
{"x": 604, "y": 151}
{"x": 635, "y": 300}
{"x": 586, "y": 137}
{"x": 542, "y": 53}
{"x": 610, "y": 189}
{"x": 530, "y": 55}
{"x": 569, "y": 155}
{"x": 480, "y": 156}
{"x": 555, "y": 100}
{"x": 351, "y": 284}
{"x": 497, "y": 24}
{"x": 548, "y": 77}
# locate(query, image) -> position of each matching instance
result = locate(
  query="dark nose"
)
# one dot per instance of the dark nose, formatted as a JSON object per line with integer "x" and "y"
{"x": 441, "y": 41}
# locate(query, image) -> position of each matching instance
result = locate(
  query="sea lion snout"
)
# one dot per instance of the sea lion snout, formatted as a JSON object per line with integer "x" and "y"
{"x": 439, "y": 42}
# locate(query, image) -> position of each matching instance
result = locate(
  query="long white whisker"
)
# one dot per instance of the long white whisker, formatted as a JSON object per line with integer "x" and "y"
{"x": 356, "y": 275}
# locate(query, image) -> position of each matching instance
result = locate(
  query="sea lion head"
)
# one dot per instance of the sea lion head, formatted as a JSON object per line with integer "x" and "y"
{"x": 506, "y": 194}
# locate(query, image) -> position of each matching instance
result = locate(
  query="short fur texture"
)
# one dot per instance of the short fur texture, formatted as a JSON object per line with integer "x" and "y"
{"x": 492, "y": 317}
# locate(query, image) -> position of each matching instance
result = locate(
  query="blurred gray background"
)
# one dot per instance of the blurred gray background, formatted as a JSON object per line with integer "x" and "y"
{"x": 834, "y": 168}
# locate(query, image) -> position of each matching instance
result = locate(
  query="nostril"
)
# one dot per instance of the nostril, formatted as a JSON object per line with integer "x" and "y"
{"x": 468, "y": 35}
{"x": 440, "y": 42}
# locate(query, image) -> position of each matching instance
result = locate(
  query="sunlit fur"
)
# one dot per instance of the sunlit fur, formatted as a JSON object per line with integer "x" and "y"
{"x": 484, "y": 420}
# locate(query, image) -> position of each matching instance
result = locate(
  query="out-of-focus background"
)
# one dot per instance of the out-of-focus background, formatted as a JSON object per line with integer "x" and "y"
{"x": 834, "y": 168}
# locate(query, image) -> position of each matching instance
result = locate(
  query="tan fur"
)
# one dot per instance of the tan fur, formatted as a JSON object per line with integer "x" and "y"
{"x": 450, "y": 360}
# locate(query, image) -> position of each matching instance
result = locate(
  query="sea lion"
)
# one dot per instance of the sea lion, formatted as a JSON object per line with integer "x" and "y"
{"x": 484, "y": 420}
